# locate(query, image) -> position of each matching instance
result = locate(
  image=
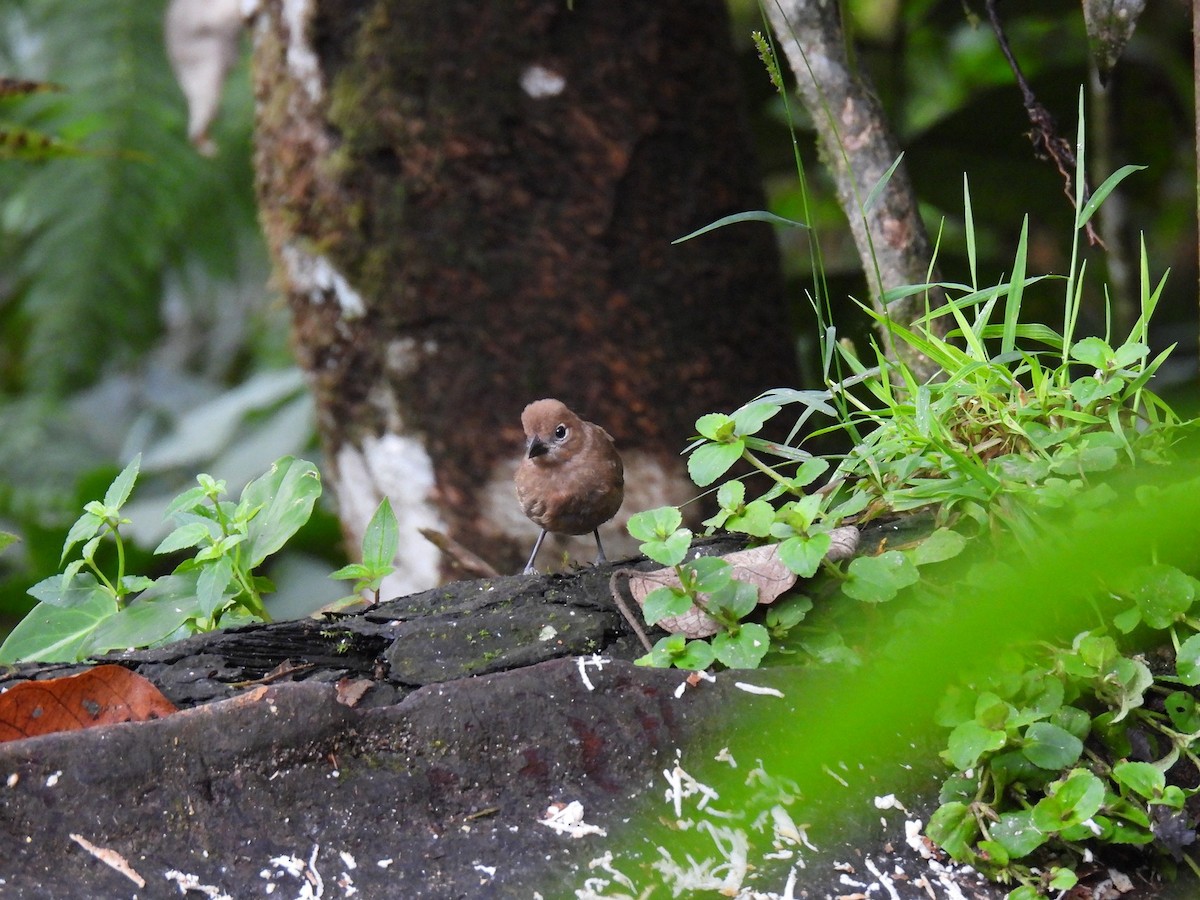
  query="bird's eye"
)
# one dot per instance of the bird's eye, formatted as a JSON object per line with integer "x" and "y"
{"x": 560, "y": 432}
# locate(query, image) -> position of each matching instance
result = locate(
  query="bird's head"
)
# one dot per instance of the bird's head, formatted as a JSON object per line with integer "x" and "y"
{"x": 552, "y": 432}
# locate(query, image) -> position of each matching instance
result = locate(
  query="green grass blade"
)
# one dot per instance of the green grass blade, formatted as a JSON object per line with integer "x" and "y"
{"x": 969, "y": 225}
{"x": 1099, "y": 195}
{"x": 1016, "y": 288}
{"x": 880, "y": 185}
{"x": 757, "y": 215}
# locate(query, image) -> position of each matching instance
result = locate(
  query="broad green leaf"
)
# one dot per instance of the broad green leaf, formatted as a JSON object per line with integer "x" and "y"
{"x": 655, "y": 524}
{"x": 755, "y": 520}
{"x": 1062, "y": 879}
{"x": 715, "y": 426}
{"x": 752, "y": 216}
{"x": 707, "y": 573}
{"x": 731, "y": 495}
{"x": 213, "y": 586}
{"x": 1017, "y": 834}
{"x": 665, "y": 601}
{"x": 382, "y": 538}
{"x": 118, "y": 492}
{"x": 59, "y": 590}
{"x": 1051, "y": 747}
{"x": 810, "y": 470}
{"x": 1187, "y": 661}
{"x": 1163, "y": 593}
{"x": 744, "y": 650}
{"x": 709, "y": 462}
{"x": 803, "y": 555}
{"x": 953, "y": 828}
{"x": 737, "y": 599}
{"x": 750, "y": 419}
{"x": 1092, "y": 351}
{"x": 1073, "y": 802}
{"x": 875, "y": 579}
{"x": 55, "y": 633}
{"x": 150, "y": 619}
{"x": 286, "y": 495}
{"x": 1181, "y": 707}
{"x": 969, "y": 741}
{"x": 696, "y": 655}
{"x": 1140, "y": 777}
{"x": 943, "y": 544}
{"x": 1073, "y": 720}
{"x": 184, "y": 537}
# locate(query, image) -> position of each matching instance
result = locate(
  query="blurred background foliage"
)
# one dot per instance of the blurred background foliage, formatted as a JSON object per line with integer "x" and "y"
{"x": 136, "y": 311}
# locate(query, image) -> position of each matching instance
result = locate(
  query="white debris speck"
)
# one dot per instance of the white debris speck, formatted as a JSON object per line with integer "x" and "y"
{"x": 385, "y": 863}
{"x": 348, "y": 861}
{"x": 567, "y": 818}
{"x": 488, "y": 871}
{"x": 548, "y": 633}
{"x": 757, "y": 689}
{"x": 186, "y": 883}
{"x": 539, "y": 82}
{"x": 302, "y": 62}
{"x": 583, "y": 662}
{"x": 726, "y": 757}
{"x": 52, "y": 780}
{"x": 882, "y": 879}
{"x": 13, "y": 779}
{"x": 889, "y": 801}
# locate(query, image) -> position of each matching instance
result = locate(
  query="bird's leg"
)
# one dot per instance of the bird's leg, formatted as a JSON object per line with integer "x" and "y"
{"x": 532, "y": 556}
{"x": 601, "y": 559}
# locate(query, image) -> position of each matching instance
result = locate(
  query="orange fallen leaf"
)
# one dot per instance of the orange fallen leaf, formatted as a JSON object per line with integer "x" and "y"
{"x": 102, "y": 695}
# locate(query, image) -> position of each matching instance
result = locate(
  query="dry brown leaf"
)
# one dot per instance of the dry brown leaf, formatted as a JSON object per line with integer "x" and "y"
{"x": 351, "y": 690}
{"x": 759, "y": 566}
{"x": 100, "y": 696}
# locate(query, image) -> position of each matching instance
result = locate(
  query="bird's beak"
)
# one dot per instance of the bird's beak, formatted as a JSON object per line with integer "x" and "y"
{"x": 535, "y": 447}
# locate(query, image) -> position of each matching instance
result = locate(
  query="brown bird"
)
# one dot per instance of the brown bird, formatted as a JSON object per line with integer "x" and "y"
{"x": 571, "y": 480}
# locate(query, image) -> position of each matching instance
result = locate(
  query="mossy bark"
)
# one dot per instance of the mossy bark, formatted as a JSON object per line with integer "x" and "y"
{"x": 472, "y": 207}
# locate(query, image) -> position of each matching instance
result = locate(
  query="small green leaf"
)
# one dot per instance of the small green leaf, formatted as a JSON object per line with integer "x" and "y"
{"x": 756, "y": 519}
{"x": 7, "y": 539}
{"x": 655, "y": 524}
{"x": 1092, "y": 351}
{"x": 669, "y": 552}
{"x": 750, "y": 419}
{"x": 715, "y": 426}
{"x": 969, "y": 741}
{"x": 731, "y": 495}
{"x": 84, "y": 529}
{"x": 185, "y": 502}
{"x": 810, "y": 470}
{"x": 875, "y": 579}
{"x": 1181, "y": 707}
{"x": 1062, "y": 879}
{"x": 665, "y": 601}
{"x": 734, "y": 600}
{"x": 743, "y": 650}
{"x": 1050, "y": 747}
{"x": 351, "y": 572}
{"x": 709, "y": 462}
{"x": 1073, "y": 802}
{"x": 118, "y": 492}
{"x": 1017, "y": 834}
{"x": 185, "y": 537}
{"x": 953, "y": 828}
{"x": 787, "y": 613}
{"x": 706, "y": 574}
{"x": 381, "y": 539}
{"x": 1140, "y": 777}
{"x": 59, "y": 590}
{"x": 943, "y": 544}
{"x": 696, "y": 655}
{"x": 803, "y": 555}
{"x": 1163, "y": 593}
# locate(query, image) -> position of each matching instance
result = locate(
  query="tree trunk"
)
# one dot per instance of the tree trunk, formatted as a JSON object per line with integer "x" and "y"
{"x": 471, "y": 207}
{"x": 858, "y": 148}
